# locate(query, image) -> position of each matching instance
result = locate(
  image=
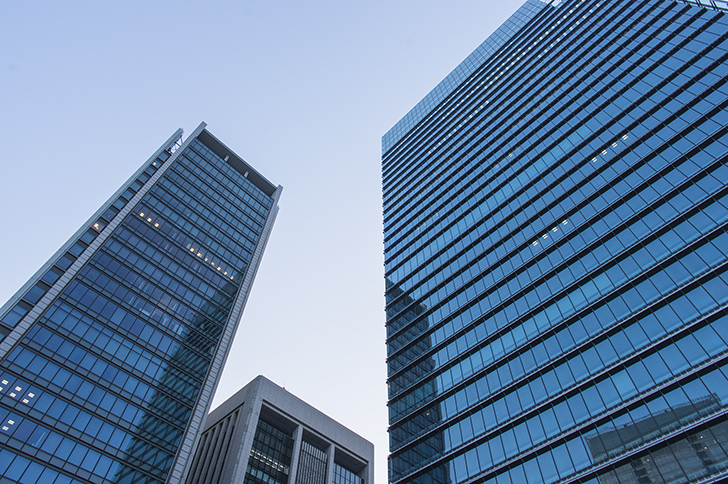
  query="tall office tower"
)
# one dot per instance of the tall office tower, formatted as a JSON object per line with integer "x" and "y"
{"x": 555, "y": 247}
{"x": 111, "y": 353}
{"x": 266, "y": 435}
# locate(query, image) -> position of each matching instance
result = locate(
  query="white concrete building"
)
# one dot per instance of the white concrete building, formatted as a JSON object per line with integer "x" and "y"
{"x": 265, "y": 435}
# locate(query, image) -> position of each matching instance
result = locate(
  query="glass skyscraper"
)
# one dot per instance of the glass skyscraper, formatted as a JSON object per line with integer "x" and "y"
{"x": 555, "y": 217}
{"x": 110, "y": 354}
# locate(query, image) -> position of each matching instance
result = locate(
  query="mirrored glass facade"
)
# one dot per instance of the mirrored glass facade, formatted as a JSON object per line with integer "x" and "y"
{"x": 111, "y": 352}
{"x": 555, "y": 254}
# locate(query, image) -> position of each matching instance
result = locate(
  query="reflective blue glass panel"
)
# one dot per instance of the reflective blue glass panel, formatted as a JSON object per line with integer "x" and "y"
{"x": 555, "y": 253}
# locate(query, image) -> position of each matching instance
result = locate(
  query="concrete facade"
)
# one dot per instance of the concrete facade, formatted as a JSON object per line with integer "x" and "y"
{"x": 227, "y": 444}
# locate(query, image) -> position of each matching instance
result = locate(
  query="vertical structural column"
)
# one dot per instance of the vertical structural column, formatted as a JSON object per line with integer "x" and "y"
{"x": 250, "y": 422}
{"x": 330, "y": 464}
{"x": 297, "y": 439}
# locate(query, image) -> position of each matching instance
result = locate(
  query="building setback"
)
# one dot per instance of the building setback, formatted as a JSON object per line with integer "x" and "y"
{"x": 264, "y": 434}
{"x": 555, "y": 253}
{"x": 111, "y": 352}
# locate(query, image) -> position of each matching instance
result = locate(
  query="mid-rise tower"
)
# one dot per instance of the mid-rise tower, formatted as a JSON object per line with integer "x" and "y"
{"x": 264, "y": 434}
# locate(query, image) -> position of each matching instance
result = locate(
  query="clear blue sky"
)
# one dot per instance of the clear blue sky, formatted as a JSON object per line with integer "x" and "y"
{"x": 303, "y": 90}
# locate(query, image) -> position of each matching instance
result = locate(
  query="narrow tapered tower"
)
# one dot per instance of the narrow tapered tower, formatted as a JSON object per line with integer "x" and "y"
{"x": 111, "y": 352}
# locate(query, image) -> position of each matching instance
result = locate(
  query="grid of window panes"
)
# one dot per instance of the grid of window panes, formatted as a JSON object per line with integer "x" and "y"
{"x": 555, "y": 254}
{"x": 454, "y": 80}
{"x": 716, "y": 4}
{"x": 102, "y": 386}
{"x": 342, "y": 475}
{"x": 311, "y": 464}
{"x": 270, "y": 457}
{"x": 35, "y": 293}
